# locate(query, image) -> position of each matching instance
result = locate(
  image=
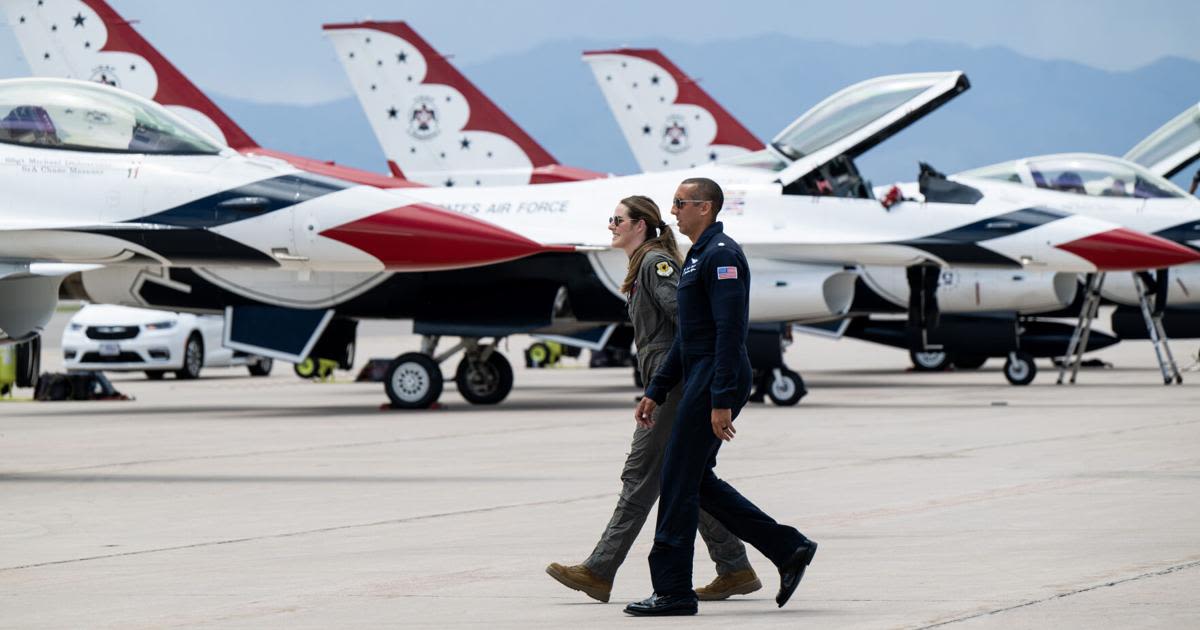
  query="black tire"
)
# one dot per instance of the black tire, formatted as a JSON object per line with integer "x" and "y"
{"x": 484, "y": 382}
{"x": 347, "y": 362}
{"x": 29, "y": 362}
{"x": 261, "y": 367}
{"x": 413, "y": 381}
{"x": 1020, "y": 369}
{"x": 193, "y": 358}
{"x": 968, "y": 361}
{"x": 787, "y": 390}
{"x": 537, "y": 355}
{"x": 929, "y": 361}
{"x": 155, "y": 375}
{"x": 306, "y": 368}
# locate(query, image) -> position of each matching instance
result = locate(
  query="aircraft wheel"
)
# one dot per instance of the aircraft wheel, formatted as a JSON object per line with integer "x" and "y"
{"x": 348, "y": 364}
{"x": 261, "y": 367}
{"x": 929, "y": 361}
{"x": 155, "y": 375}
{"x": 193, "y": 358}
{"x": 484, "y": 382}
{"x": 787, "y": 388}
{"x": 969, "y": 361}
{"x": 29, "y": 362}
{"x": 413, "y": 381}
{"x": 1020, "y": 369}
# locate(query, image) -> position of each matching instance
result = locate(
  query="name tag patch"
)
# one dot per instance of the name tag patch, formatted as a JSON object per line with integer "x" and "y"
{"x": 726, "y": 273}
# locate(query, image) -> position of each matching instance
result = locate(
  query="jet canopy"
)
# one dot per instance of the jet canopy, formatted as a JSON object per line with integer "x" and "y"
{"x": 1171, "y": 147}
{"x": 84, "y": 116}
{"x": 1082, "y": 174}
{"x": 815, "y": 154}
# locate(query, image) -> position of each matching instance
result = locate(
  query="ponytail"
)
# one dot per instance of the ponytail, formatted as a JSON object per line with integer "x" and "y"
{"x": 658, "y": 236}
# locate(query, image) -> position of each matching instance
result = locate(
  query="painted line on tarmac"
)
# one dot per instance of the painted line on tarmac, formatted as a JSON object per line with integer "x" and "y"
{"x": 1161, "y": 572}
{"x": 319, "y": 530}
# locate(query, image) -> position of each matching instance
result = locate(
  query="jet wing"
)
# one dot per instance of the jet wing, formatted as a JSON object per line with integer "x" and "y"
{"x": 1172, "y": 147}
{"x": 861, "y": 116}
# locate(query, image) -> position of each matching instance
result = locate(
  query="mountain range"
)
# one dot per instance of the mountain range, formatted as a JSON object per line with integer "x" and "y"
{"x": 1017, "y": 105}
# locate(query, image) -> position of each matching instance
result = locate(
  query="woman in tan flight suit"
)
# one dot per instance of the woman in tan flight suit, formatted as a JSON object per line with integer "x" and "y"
{"x": 650, "y": 284}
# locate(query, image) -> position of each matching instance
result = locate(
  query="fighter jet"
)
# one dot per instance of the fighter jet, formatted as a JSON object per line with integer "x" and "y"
{"x": 442, "y": 306}
{"x": 1121, "y": 192}
{"x": 96, "y": 176}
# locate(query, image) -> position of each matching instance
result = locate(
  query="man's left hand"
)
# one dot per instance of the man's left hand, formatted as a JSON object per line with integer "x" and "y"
{"x": 722, "y": 423}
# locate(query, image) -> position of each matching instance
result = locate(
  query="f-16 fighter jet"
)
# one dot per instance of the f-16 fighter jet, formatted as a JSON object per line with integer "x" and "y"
{"x": 95, "y": 176}
{"x": 1120, "y": 192}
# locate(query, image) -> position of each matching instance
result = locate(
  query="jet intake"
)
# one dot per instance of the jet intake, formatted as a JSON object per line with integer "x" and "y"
{"x": 26, "y": 305}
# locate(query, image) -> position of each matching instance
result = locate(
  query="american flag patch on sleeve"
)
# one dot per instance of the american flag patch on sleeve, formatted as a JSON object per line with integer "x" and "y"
{"x": 726, "y": 273}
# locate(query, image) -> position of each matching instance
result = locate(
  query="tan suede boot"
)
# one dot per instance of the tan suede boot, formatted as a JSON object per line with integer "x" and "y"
{"x": 736, "y": 583}
{"x": 581, "y": 578}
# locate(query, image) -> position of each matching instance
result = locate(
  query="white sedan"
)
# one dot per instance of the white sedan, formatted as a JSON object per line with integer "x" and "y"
{"x": 120, "y": 338}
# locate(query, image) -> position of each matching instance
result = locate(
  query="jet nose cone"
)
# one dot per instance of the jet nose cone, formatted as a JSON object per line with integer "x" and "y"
{"x": 420, "y": 237}
{"x": 1127, "y": 250}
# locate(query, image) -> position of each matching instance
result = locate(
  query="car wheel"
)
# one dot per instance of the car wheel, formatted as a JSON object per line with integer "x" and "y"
{"x": 155, "y": 375}
{"x": 1020, "y": 369}
{"x": 787, "y": 388}
{"x": 413, "y": 381}
{"x": 484, "y": 382}
{"x": 929, "y": 361}
{"x": 261, "y": 367}
{"x": 193, "y": 358}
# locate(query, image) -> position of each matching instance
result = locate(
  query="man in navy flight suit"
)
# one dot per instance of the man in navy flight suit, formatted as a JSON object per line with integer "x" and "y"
{"x": 709, "y": 355}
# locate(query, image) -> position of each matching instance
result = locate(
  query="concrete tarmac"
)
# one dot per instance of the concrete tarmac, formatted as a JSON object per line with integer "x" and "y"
{"x": 948, "y": 499}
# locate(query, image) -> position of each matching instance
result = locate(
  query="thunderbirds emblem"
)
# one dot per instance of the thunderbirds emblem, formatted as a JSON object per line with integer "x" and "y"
{"x": 105, "y": 75}
{"x": 422, "y": 119}
{"x": 675, "y": 138}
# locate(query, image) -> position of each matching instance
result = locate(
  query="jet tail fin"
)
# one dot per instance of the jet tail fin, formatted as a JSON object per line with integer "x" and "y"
{"x": 434, "y": 125}
{"x": 669, "y": 121}
{"x": 87, "y": 39}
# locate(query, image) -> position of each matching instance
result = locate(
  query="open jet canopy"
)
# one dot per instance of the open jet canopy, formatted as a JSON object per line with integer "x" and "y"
{"x": 1083, "y": 174}
{"x": 1172, "y": 147}
{"x": 79, "y": 116}
{"x": 857, "y": 118}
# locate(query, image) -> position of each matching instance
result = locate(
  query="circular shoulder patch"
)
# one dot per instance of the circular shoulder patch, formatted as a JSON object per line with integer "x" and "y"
{"x": 664, "y": 269}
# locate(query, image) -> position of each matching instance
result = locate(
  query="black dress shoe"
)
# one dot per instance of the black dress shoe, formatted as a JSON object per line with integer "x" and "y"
{"x": 792, "y": 571}
{"x": 663, "y": 605}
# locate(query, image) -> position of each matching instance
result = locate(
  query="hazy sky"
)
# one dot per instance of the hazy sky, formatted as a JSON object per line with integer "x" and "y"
{"x": 273, "y": 50}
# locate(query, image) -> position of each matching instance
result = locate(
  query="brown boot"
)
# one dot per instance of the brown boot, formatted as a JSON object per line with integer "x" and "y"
{"x": 581, "y": 578}
{"x": 736, "y": 583}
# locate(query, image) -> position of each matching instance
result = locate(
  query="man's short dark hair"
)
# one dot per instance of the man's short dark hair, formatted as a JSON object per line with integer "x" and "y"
{"x": 708, "y": 191}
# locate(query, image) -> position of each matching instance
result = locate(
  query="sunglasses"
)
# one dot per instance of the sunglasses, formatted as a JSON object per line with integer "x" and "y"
{"x": 679, "y": 203}
{"x": 617, "y": 221}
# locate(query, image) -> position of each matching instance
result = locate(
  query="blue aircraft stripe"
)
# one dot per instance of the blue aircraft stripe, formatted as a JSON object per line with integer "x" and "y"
{"x": 245, "y": 202}
{"x": 961, "y": 244}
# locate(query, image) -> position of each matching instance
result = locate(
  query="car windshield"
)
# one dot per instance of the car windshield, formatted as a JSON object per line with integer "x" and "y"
{"x": 79, "y": 116}
{"x": 850, "y": 110}
{"x": 1098, "y": 176}
{"x": 1181, "y": 133}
